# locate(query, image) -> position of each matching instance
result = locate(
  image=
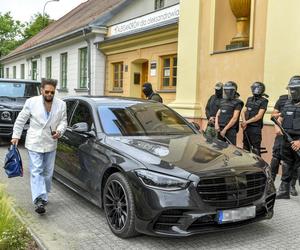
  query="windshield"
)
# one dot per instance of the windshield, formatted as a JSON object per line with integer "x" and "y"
{"x": 18, "y": 89}
{"x": 141, "y": 119}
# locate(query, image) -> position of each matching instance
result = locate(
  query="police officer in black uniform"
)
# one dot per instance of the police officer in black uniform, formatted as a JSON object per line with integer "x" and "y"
{"x": 227, "y": 118}
{"x": 211, "y": 109}
{"x": 290, "y": 120}
{"x": 149, "y": 93}
{"x": 252, "y": 117}
{"x": 276, "y": 156}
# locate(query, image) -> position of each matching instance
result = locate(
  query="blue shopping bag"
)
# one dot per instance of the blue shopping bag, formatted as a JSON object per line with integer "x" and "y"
{"x": 13, "y": 163}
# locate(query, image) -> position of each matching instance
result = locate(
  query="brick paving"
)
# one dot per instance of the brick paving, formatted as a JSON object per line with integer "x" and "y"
{"x": 71, "y": 222}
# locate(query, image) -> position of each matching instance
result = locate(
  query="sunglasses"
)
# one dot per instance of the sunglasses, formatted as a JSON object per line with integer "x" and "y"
{"x": 47, "y": 92}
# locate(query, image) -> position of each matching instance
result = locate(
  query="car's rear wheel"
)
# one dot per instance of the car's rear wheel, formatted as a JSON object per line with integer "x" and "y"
{"x": 119, "y": 206}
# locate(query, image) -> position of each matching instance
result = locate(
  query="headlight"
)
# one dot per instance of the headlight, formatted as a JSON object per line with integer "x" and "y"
{"x": 161, "y": 181}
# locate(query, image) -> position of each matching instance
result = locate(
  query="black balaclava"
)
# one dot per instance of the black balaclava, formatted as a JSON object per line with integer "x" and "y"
{"x": 147, "y": 89}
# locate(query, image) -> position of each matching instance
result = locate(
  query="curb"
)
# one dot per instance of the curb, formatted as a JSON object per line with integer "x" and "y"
{"x": 38, "y": 241}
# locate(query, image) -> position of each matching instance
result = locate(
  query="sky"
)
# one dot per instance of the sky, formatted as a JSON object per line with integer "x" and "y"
{"x": 23, "y": 10}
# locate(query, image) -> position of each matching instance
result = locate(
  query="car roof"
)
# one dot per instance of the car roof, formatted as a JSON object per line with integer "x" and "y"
{"x": 18, "y": 80}
{"x": 108, "y": 99}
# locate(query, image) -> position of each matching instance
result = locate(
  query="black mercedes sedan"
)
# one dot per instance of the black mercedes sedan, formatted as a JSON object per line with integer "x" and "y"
{"x": 153, "y": 172}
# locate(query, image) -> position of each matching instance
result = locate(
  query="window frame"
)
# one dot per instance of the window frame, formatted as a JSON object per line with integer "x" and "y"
{"x": 14, "y": 72}
{"x": 83, "y": 60}
{"x": 171, "y": 77}
{"x": 7, "y": 72}
{"x": 64, "y": 70}
{"x": 34, "y": 70}
{"x": 22, "y": 71}
{"x": 118, "y": 83}
{"x": 159, "y": 4}
{"x": 48, "y": 67}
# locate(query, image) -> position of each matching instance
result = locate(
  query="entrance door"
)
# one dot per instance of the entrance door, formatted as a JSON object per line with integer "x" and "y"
{"x": 144, "y": 79}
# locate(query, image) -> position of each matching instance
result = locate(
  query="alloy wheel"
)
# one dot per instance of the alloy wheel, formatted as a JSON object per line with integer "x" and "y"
{"x": 116, "y": 205}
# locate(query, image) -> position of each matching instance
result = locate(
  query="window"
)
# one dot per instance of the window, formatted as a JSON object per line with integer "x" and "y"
{"x": 22, "y": 76}
{"x": 82, "y": 114}
{"x": 34, "y": 70}
{"x": 169, "y": 72}
{"x": 1, "y": 72}
{"x": 118, "y": 75}
{"x": 14, "y": 72}
{"x": 159, "y": 4}
{"x": 70, "y": 106}
{"x": 48, "y": 67}
{"x": 7, "y": 72}
{"x": 83, "y": 68}
{"x": 63, "y": 70}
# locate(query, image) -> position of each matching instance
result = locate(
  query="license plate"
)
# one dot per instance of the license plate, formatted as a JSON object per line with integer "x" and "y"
{"x": 238, "y": 214}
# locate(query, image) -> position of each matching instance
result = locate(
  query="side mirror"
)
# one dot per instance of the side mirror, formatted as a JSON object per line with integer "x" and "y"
{"x": 80, "y": 127}
{"x": 196, "y": 125}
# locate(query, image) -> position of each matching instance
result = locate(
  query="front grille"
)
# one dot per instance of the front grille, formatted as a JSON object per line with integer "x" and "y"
{"x": 168, "y": 219}
{"x": 232, "y": 190}
{"x": 8, "y": 117}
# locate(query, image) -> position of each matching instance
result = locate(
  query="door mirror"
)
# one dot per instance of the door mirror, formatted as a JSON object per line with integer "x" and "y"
{"x": 80, "y": 127}
{"x": 196, "y": 125}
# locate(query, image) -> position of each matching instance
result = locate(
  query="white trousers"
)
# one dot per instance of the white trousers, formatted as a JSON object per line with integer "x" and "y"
{"x": 41, "y": 172}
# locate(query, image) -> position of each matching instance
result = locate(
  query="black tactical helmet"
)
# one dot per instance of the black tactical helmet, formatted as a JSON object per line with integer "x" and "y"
{"x": 219, "y": 90}
{"x": 294, "y": 88}
{"x": 258, "y": 88}
{"x": 230, "y": 89}
{"x": 219, "y": 86}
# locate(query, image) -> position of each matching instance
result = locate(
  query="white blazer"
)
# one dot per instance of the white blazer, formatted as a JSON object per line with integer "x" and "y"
{"x": 38, "y": 136}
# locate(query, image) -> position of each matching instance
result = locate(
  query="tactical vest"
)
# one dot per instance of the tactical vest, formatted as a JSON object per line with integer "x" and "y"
{"x": 227, "y": 108}
{"x": 291, "y": 118}
{"x": 214, "y": 106}
{"x": 253, "y": 106}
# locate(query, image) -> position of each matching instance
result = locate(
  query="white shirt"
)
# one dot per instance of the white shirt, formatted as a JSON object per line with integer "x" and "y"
{"x": 39, "y": 138}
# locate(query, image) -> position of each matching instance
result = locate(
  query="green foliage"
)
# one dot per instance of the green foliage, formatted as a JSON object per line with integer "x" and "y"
{"x": 10, "y": 33}
{"x": 13, "y": 33}
{"x": 37, "y": 23}
{"x": 13, "y": 234}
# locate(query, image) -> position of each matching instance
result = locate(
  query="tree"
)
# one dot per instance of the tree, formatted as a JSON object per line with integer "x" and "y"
{"x": 10, "y": 33}
{"x": 37, "y": 23}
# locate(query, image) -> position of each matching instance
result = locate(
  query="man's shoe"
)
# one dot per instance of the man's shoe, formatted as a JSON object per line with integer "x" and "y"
{"x": 39, "y": 207}
{"x": 293, "y": 191}
{"x": 44, "y": 202}
{"x": 283, "y": 191}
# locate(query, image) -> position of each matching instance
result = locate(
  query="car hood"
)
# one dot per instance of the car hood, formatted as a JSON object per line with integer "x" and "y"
{"x": 12, "y": 103}
{"x": 184, "y": 155}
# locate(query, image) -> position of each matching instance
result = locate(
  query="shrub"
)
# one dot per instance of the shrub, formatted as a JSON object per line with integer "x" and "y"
{"x": 13, "y": 235}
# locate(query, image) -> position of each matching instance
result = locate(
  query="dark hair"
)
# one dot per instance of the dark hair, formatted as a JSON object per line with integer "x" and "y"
{"x": 45, "y": 82}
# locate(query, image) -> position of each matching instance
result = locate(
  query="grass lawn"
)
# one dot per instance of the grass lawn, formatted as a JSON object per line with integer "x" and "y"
{"x": 13, "y": 234}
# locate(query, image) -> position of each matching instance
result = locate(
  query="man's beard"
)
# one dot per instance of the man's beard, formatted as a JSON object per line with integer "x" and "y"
{"x": 48, "y": 98}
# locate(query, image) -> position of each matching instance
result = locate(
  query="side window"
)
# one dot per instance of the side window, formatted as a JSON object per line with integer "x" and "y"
{"x": 82, "y": 114}
{"x": 70, "y": 107}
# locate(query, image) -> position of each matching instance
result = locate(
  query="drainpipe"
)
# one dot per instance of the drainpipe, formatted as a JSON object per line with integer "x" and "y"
{"x": 84, "y": 31}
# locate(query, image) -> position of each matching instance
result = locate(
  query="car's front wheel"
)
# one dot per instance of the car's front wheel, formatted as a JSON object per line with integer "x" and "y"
{"x": 119, "y": 206}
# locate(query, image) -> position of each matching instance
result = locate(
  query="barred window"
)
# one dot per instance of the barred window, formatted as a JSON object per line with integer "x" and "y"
{"x": 49, "y": 67}
{"x": 83, "y": 68}
{"x": 63, "y": 70}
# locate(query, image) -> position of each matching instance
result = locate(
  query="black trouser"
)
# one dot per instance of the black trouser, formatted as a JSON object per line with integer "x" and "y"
{"x": 292, "y": 160}
{"x": 230, "y": 135}
{"x": 276, "y": 155}
{"x": 252, "y": 135}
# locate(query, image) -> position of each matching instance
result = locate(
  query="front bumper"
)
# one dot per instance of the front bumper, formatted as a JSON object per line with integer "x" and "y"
{"x": 184, "y": 212}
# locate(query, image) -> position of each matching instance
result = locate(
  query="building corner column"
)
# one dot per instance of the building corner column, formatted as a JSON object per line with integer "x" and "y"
{"x": 187, "y": 90}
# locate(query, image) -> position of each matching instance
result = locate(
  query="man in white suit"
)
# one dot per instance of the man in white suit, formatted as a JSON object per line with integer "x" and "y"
{"x": 48, "y": 122}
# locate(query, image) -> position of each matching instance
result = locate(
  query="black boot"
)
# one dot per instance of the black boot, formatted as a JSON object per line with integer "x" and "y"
{"x": 283, "y": 191}
{"x": 274, "y": 167}
{"x": 293, "y": 190}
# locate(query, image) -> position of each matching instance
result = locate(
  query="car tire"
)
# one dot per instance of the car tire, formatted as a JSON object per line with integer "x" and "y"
{"x": 119, "y": 206}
